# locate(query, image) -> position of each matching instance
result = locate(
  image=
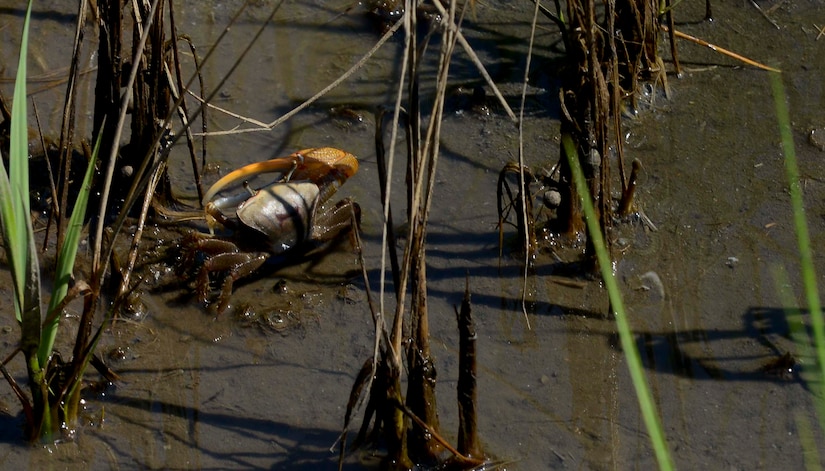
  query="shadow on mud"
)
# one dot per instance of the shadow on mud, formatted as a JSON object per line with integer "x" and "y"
{"x": 692, "y": 353}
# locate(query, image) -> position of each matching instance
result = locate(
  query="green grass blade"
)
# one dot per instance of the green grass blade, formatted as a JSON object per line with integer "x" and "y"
{"x": 15, "y": 218}
{"x": 19, "y": 164}
{"x": 10, "y": 228}
{"x": 810, "y": 450}
{"x": 18, "y": 235}
{"x": 634, "y": 362}
{"x": 28, "y": 278}
{"x": 27, "y": 268}
{"x": 31, "y": 314}
{"x": 802, "y": 236}
{"x": 67, "y": 255}
{"x": 809, "y": 372}
{"x": 14, "y": 187}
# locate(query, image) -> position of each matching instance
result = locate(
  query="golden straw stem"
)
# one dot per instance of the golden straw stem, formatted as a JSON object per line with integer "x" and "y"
{"x": 721, "y": 50}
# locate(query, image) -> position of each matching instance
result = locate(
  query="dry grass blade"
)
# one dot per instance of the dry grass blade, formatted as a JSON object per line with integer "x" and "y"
{"x": 364, "y": 379}
{"x": 125, "y": 275}
{"x": 722, "y": 50}
{"x": 261, "y": 126}
{"x": 765, "y": 14}
{"x": 55, "y": 205}
{"x": 28, "y": 411}
{"x": 395, "y": 334}
{"x": 383, "y": 179}
{"x": 476, "y": 61}
{"x": 522, "y": 180}
{"x": 183, "y": 111}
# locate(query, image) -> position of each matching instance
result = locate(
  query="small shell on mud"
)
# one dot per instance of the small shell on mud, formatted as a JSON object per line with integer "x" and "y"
{"x": 817, "y": 138}
{"x": 552, "y": 199}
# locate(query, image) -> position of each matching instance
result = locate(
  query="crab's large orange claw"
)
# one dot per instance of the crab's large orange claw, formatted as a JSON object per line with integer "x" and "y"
{"x": 327, "y": 167}
{"x": 320, "y": 165}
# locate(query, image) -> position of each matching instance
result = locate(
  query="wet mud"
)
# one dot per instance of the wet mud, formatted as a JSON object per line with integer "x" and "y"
{"x": 266, "y": 384}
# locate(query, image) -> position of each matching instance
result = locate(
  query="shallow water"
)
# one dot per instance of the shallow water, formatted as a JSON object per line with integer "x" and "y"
{"x": 205, "y": 392}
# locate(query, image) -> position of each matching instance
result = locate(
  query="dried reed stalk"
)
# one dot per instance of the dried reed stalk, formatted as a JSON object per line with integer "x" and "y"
{"x": 468, "y": 442}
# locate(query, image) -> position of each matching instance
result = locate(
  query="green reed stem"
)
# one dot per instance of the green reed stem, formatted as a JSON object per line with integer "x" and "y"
{"x": 634, "y": 362}
{"x": 802, "y": 237}
{"x": 66, "y": 257}
{"x": 809, "y": 369}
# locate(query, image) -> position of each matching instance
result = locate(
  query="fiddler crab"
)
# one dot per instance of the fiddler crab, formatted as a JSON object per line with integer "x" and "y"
{"x": 275, "y": 218}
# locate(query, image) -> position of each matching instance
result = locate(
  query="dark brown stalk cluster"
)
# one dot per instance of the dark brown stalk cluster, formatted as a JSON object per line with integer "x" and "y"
{"x": 408, "y": 425}
{"x": 606, "y": 59}
{"x": 610, "y": 49}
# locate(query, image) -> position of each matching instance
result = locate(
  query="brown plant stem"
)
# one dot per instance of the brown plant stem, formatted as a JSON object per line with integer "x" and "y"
{"x": 421, "y": 397}
{"x": 109, "y": 76}
{"x": 672, "y": 37}
{"x": 626, "y": 205}
{"x": 182, "y": 109}
{"x": 395, "y": 427}
{"x": 67, "y": 127}
{"x": 463, "y": 461}
{"x": 468, "y": 443}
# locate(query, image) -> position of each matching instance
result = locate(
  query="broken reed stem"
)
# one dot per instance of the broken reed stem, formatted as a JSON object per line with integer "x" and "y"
{"x": 468, "y": 444}
{"x": 626, "y": 204}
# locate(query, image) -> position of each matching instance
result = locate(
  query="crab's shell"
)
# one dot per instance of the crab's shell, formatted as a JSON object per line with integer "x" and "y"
{"x": 282, "y": 213}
